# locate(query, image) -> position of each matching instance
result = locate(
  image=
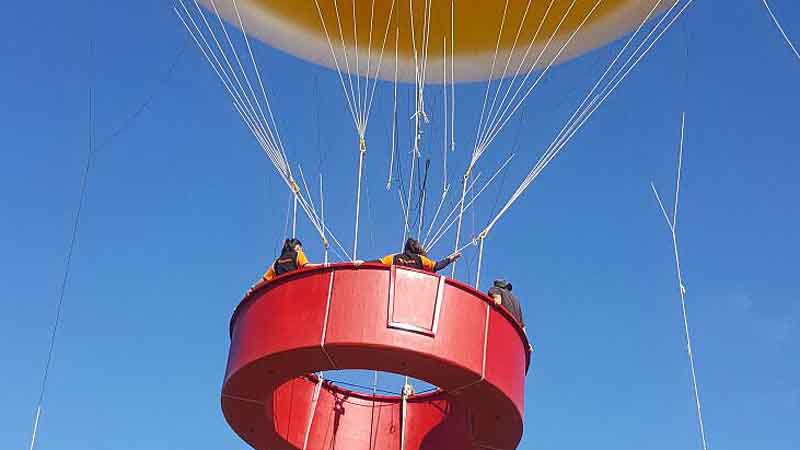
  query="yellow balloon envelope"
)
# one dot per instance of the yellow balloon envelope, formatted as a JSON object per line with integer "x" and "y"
{"x": 461, "y": 39}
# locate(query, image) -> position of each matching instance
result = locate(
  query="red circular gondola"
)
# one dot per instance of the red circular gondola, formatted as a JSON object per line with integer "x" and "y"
{"x": 383, "y": 318}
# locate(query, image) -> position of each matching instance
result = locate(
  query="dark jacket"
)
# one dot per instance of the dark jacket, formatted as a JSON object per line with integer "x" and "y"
{"x": 510, "y": 302}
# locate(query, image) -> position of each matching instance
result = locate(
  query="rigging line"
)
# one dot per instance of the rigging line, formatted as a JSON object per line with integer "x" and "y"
{"x": 440, "y": 232}
{"x": 294, "y": 218}
{"x": 272, "y": 130}
{"x": 212, "y": 58}
{"x": 510, "y": 55}
{"x": 288, "y": 215}
{"x": 380, "y": 64}
{"x": 616, "y": 80}
{"x": 426, "y": 48}
{"x": 257, "y": 71}
{"x": 491, "y": 76}
{"x": 308, "y": 191}
{"x": 394, "y": 112}
{"x": 129, "y": 120}
{"x": 435, "y": 216}
{"x": 452, "y": 76}
{"x": 249, "y": 117}
{"x": 76, "y": 221}
{"x": 358, "y": 66}
{"x": 630, "y": 40}
{"x": 278, "y": 158}
{"x": 480, "y": 263}
{"x": 440, "y": 235}
{"x": 250, "y": 101}
{"x": 596, "y": 103}
{"x": 322, "y": 217}
{"x": 780, "y": 28}
{"x": 347, "y": 60}
{"x": 350, "y": 105}
{"x": 681, "y": 287}
{"x": 481, "y": 128}
{"x": 361, "y": 154}
{"x": 422, "y": 199}
{"x": 369, "y": 52}
{"x": 503, "y": 119}
{"x": 445, "y": 186}
{"x": 571, "y": 123}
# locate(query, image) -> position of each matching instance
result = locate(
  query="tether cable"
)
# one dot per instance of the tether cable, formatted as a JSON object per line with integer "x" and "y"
{"x": 75, "y": 227}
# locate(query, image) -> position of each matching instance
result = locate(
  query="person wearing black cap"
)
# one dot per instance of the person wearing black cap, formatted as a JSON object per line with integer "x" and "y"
{"x": 502, "y": 296}
{"x": 291, "y": 258}
{"x": 414, "y": 256}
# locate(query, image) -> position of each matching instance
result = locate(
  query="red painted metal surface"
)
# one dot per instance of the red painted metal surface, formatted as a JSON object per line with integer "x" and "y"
{"x": 379, "y": 318}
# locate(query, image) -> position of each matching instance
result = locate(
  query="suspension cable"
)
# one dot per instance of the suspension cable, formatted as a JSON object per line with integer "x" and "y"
{"x": 672, "y": 225}
{"x": 557, "y": 146}
{"x": 780, "y": 28}
{"x": 75, "y": 224}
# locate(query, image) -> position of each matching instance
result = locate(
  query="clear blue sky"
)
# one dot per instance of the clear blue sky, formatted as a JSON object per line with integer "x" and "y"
{"x": 183, "y": 212}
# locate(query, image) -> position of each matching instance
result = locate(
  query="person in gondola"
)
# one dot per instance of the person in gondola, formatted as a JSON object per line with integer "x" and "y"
{"x": 291, "y": 258}
{"x": 501, "y": 293}
{"x": 414, "y": 256}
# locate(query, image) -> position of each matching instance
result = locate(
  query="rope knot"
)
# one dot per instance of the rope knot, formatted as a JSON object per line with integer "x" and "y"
{"x": 293, "y": 186}
{"x": 362, "y": 144}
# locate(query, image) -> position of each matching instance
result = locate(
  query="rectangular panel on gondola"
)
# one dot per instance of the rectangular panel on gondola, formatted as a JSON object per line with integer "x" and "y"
{"x": 414, "y": 301}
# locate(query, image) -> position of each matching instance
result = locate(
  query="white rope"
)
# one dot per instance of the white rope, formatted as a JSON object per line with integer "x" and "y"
{"x": 480, "y": 263}
{"x": 235, "y": 89}
{"x": 491, "y": 72}
{"x": 672, "y": 224}
{"x": 780, "y": 28}
{"x": 441, "y": 233}
{"x": 456, "y": 208}
{"x": 613, "y": 63}
{"x": 584, "y": 116}
{"x": 294, "y": 217}
{"x": 452, "y": 77}
{"x": 512, "y": 52}
{"x": 380, "y": 64}
{"x": 394, "y": 112}
{"x": 248, "y": 115}
{"x": 260, "y": 80}
{"x": 361, "y": 154}
{"x": 477, "y": 151}
{"x": 326, "y": 244}
{"x": 504, "y": 117}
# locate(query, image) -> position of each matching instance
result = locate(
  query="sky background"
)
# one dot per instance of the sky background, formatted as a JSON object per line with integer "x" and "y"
{"x": 183, "y": 212}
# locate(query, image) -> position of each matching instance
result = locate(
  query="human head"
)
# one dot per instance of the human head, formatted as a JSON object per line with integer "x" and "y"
{"x": 414, "y": 247}
{"x": 502, "y": 284}
{"x": 292, "y": 245}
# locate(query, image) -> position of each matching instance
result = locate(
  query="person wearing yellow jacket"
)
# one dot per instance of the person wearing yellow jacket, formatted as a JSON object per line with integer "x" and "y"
{"x": 414, "y": 256}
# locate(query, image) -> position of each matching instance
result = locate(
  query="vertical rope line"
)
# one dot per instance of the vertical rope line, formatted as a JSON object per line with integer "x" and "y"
{"x": 672, "y": 225}
{"x": 322, "y": 212}
{"x": 294, "y": 217}
{"x": 452, "y": 76}
{"x": 361, "y": 154}
{"x": 75, "y": 224}
{"x": 394, "y": 111}
{"x": 480, "y": 263}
